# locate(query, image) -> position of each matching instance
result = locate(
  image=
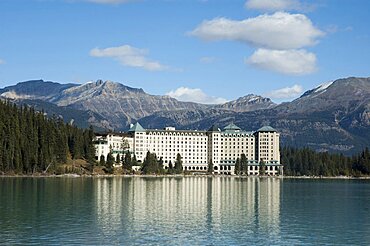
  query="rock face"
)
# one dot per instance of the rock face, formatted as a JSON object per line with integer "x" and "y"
{"x": 247, "y": 103}
{"x": 332, "y": 117}
{"x": 119, "y": 104}
{"x": 335, "y": 116}
{"x": 34, "y": 89}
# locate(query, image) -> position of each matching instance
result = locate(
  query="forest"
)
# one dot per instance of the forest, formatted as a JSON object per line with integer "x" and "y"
{"x": 31, "y": 142}
{"x": 305, "y": 161}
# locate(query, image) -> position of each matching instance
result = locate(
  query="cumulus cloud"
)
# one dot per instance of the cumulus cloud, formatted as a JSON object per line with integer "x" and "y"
{"x": 293, "y": 62}
{"x": 129, "y": 56}
{"x": 285, "y": 93}
{"x": 277, "y": 31}
{"x": 275, "y": 5}
{"x": 194, "y": 95}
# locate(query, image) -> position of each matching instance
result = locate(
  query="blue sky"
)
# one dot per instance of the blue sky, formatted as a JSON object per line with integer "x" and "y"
{"x": 198, "y": 50}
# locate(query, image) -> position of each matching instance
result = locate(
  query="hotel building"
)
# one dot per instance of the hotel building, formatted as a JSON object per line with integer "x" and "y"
{"x": 199, "y": 148}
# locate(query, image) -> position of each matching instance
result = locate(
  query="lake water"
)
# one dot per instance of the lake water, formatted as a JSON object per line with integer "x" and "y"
{"x": 184, "y": 211}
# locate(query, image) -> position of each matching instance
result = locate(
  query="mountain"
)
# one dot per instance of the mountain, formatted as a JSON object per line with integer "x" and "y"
{"x": 34, "y": 89}
{"x": 334, "y": 116}
{"x": 247, "y": 103}
{"x": 70, "y": 115}
{"x": 120, "y": 105}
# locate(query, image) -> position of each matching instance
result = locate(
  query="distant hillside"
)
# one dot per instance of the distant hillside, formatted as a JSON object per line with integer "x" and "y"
{"x": 120, "y": 105}
{"x": 247, "y": 103}
{"x": 70, "y": 115}
{"x": 334, "y": 116}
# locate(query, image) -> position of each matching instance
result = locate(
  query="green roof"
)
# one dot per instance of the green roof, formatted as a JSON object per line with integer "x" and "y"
{"x": 266, "y": 129}
{"x": 232, "y": 127}
{"x": 137, "y": 128}
{"x": 214, "y": 128}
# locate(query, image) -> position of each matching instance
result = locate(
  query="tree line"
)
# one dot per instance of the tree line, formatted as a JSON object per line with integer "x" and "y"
{"x": 153, "y": 165}
{"x": 305, "y": 161}
{"x": 30, "y": 142}
{"x": 126, "y": 161}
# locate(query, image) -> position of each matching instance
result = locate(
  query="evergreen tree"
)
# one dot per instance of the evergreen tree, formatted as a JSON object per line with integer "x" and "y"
{"x": 170, "y": 168}
{"x": 150, "y": 165}
{"x": 109, "y": 163}
{"x": 127, "y": 163}
{"x": 160, "y": 166}
{"x": 237, "y": 166}
{"x": 210, "y": 167}
{"x": 118, "y": 159}
{"x": 102, "y": 161}
{"x": 178, "y": 164}
{"x": 134, "y": 161}
{"x": 262, "y": 170}
{"x": 31, "y": 142}
{"x": 243, "y": 163}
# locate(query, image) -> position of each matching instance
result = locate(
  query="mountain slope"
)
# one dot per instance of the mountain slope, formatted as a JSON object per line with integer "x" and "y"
{"x": 334, "y": 116}
{"x": 247, "y": 103}
{"x": 118, "y": 104}
{"x": 331, "y": 117}
{"x": 82, "y": 119}
{"x": 34, "y": 89}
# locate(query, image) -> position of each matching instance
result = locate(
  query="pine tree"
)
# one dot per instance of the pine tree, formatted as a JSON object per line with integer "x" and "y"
{"x": 127, "y": 163}
{"x": 210, "y": 167}
{"x": 118, "y": 159}
{"x": 102, "y": 161}
{"x": 160, "y": 169}
{"x": 178, "y": 164}
{"x": 170, "y": 168}
{"x": 109, "y": 163}
{"x": 237, "y": 166}
{"x": 151, "y": 164}
{"x": 262, "y": 170}
{"x": 243, "y": 163}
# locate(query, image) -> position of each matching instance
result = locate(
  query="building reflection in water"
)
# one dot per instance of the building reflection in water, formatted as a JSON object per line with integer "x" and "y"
{"x": 145, "y": 206}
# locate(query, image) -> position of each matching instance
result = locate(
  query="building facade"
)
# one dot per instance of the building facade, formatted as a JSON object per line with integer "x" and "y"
{"x": 115, "y": 143}
{"x": 198, "y": 149}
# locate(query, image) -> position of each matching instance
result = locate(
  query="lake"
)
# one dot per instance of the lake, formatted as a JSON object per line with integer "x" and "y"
{"x": 184, "y": 211}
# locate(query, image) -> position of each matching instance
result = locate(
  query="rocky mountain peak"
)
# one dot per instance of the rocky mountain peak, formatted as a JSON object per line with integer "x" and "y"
{"x": 246, "y": 103}
{"x": 34, "y": 89}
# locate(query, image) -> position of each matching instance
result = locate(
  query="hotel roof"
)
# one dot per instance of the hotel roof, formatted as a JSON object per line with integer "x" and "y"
{"x": 137, "y": 128}
{"x": 266, "y": 129}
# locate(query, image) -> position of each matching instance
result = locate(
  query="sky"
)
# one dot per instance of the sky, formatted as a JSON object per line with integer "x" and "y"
{"x": 208, "y": 51}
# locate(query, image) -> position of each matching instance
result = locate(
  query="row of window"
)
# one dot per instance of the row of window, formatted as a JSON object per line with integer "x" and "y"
{"x": 177, "y": 134}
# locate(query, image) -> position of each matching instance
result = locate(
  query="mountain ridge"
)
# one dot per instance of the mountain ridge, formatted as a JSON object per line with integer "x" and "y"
{"x": 334, "y": 116}
{"x": 117, "y": 102}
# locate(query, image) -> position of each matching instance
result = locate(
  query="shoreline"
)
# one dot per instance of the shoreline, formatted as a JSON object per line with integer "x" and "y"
{"x": 39, "y": 175}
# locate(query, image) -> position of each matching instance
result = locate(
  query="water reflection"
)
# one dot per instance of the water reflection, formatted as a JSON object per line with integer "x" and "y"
{"x": 141, "y": 209}
{"x": 183, "y": 211}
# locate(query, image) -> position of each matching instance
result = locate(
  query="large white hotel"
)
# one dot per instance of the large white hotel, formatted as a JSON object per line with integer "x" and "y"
{"x": 198, "y": 148}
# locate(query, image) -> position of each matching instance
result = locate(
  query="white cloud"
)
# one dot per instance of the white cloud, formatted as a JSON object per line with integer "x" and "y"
{"x": 293, "y": 62}
{"x": 207, "y": 59}
{"x": 2, "y": 62}
{"x": 274, "y": 5}
{"x": 129, "y": 56}
{"x": 194, "y": 95}
{"x": 277, "y": 31}
{"x": 285, "y": 93}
